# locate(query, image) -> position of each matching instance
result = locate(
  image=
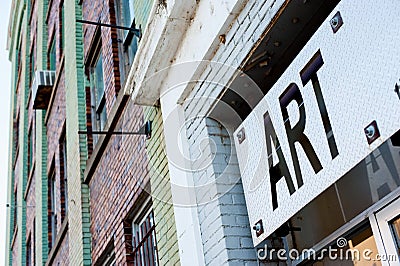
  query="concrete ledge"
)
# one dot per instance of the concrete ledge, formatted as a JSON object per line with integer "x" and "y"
{"x": 54, "y": 91}
{"x": 60, "y": 237}
{"x": 103, "y": 140}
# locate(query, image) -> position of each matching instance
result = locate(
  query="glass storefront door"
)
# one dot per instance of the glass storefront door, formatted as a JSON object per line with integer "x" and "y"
{"x": 385, "y": 225}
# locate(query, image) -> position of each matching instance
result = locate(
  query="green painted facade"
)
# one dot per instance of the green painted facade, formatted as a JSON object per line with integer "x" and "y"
{"x": 79, "y": 232}
{"x": 20, "y": 33}
{"x": 41, "y": 189}
{"x": 77, "y": 152}
{"x": 167, "y": 241}
{"x": 78, "y": 193}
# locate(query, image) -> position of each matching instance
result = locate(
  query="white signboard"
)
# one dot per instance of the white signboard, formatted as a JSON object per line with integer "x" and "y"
{"x": 310, "y": 129}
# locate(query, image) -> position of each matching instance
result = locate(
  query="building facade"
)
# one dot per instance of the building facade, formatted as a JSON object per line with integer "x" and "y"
{"x": 175, "y": 132}
{"x": 78, "y": 197}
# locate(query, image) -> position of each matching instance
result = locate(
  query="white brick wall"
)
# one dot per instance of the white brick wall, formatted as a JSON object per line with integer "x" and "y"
{"x": 222, "y": 215}
{"x": 224, "y": 224}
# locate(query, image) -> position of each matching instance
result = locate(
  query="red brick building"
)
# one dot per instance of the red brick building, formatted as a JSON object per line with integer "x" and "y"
{"x": 117, "y": 171}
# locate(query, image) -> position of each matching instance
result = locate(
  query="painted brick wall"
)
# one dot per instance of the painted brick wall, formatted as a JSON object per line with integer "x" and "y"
{"x": 167, "y": 242}
{"x": 18, "y": 36}
{"x": 14, "y": 252}
{"x": 23, "y": 139}
{"x": 26, "y": 179}
{"x": 30, "y": 211}
{"x": 112, "y": 194}
{"x": 54, "y": 127}
{"x": 122, "y": 171}
{"x": 62, "y": 257}
{"x": 224, "y": 226}
{"x": 119, "y": 179}
{"x": 29, "y": 192}
{"x": 56, "y": 119}
{"x": 14, "y": 246}
{"x": 41, "y": 244}
{"x": 224, "y": 222}
{"x": 41, "y": 190}
{"x": 78, "y": 193}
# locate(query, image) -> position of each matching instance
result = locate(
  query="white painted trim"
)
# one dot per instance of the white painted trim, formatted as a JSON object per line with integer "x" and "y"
{"x": 186, "y": 217}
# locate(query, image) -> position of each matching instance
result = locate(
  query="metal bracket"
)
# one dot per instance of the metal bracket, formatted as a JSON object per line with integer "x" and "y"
{"x": 144, "y": 130}
{"x": 135, "y": 31}
{"x": 8, "y": 205}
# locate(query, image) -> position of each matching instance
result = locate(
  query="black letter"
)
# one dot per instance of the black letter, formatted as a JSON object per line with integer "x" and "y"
{"x": 297, "y": 132}
{"x": 310, "y": 72}
{"x": 277, "y": 171}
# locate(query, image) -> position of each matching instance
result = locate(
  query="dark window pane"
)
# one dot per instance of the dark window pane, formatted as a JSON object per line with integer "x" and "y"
{"x": 52, "y": 55}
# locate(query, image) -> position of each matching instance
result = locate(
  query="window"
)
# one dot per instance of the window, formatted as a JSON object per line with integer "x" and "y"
{"x": 52, "y": 55}
{"x": 15, "y": 209}
{"x": 32, "y": 62}
{"x": 108, "y": 256}
{"x": 130, "y": 41}
{"x": 126, "y": 17}
{"x": 62, "y": 23}
{"x": 30, "y": 148}
{"x": 63, "y": 176}
{"x": 52, "y": 198}
{"x": 18, "y": 60}
{"x": 144, "y": 240}
{"x": 16, "y": 132}
{"x": 110, "y": 260}
{"x": 98, "y": 99}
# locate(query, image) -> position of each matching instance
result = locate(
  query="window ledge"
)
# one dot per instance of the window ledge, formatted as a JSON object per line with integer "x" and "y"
{"x": 48, "y": 11}
{"x": 14, "y": 235}
{"x": 103, "y": 140}
{"x": 59, "y": 71}
{"x": 15, "y": 156}
{"x": 60, "y": 237}
{"x": 30, "y": 177}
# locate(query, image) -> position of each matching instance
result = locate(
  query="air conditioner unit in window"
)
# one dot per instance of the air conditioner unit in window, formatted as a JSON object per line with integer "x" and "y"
{"x": 42, "y": 87}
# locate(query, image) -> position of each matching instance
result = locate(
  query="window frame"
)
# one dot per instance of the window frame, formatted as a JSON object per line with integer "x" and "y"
{"x": 130, "y": 41}
{"x": 16, "y": 134}
{"x": 110, "y": 260}
{"x": 32, "y": 62}
{"x": 52, "y": 54}
{"x": 62, "y": 27}
{"x": 18, "y": 64}
{"x": 52, "y": 223}
{"x": 15, "y": 211}
{"x": 139, "y": 248}
{"x": 63, "y": 174}
{"x": 31, "y": 146}
{"x": 97, "y": 93}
